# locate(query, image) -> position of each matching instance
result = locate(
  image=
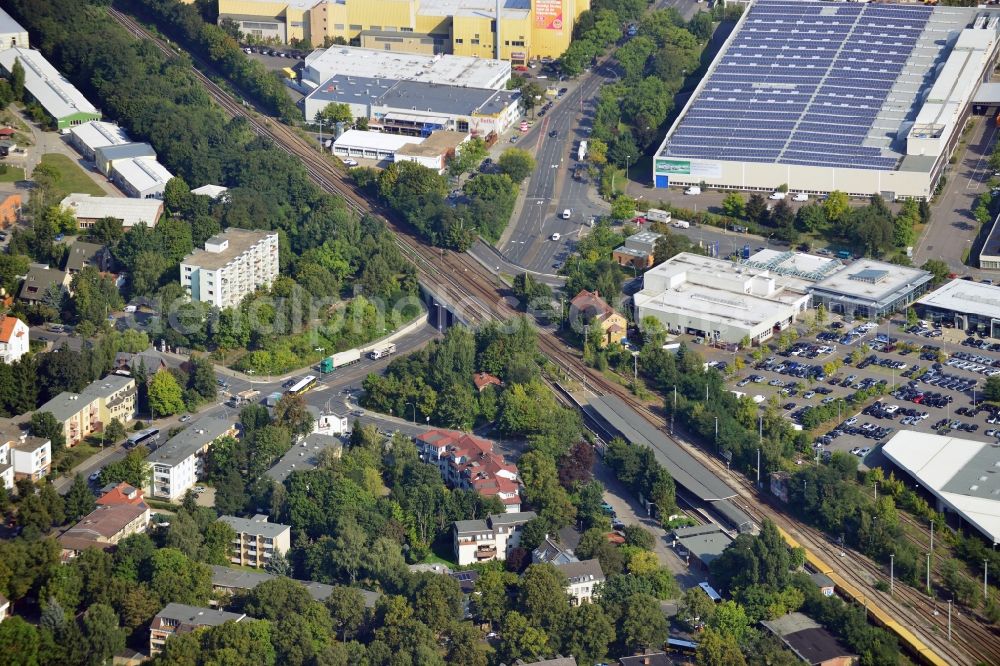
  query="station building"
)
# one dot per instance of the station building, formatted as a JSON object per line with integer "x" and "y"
{"x": 513, "y": 30}
{"x": 865, "y": 98}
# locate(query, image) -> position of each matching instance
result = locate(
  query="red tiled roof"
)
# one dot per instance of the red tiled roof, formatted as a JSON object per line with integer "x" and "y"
{"x": 484, "y": 379}
{"x": 7, "y": 325}
{"x": 591, "y": 304}
{"x": 123, "y": 493}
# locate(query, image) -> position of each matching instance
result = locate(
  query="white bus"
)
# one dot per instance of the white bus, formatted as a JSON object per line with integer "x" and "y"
{"x": 302, "y": 385}
{"x": 141, "y": 436}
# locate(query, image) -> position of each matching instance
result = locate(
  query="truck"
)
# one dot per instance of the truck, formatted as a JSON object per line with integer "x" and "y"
{"x": 681, "y": 224}
{"x": 657, "y": 215}
{"x": 243, "y": 398}
{"x": 339, "y": 360}
{"x": 581, "y": 152}
{"x": 382, "y": 352}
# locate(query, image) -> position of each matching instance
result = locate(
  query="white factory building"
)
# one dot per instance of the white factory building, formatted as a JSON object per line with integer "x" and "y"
{"x": 720, "y": 300}
{"x": 874, "y": 106}
{"x": 450, "y": 70}
{"x": 233, "y": 264}
{"x": 43, "y": 82}
{"x": 90, "y": 136}
{"x": 961, "y": 474}
{"x": 433, "y": 152}
{"x": 12, "y": 33}
{"x": 140, "y": 177}
{"x": 88, "y": 209}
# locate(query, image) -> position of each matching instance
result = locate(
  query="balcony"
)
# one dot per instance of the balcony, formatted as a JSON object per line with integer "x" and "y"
{"x": 486, "y": 553}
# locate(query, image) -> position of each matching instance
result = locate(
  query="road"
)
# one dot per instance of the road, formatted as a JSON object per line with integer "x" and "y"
{"x": 953, "y": 227}
{"x": 528, "y": 242}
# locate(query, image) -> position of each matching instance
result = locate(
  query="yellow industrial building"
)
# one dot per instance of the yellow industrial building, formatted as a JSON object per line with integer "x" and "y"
{"x": 528, "y": 29}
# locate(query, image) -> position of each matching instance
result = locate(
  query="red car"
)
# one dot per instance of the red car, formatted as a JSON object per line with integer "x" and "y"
{"x": 520, "y": 68}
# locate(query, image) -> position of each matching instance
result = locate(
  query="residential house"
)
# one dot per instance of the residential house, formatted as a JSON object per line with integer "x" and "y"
{"x": 469, "y": 462}
{"x": 6, "y": 465}
{"x": 150, "y": 360}
{"x": 30, "y": 457}
{"x": 809, "y": 641}
{"x": 180, "y": 619}
{"x": 14, "y": 339}
{"x": 257, "y": 540}
{"x": 648, "y": 659}
{"x": 119, "y": 494}
{"x": 40, "y": 281}
{"x": 548, "y": 551}
{"x": 227, "y": 581}
{"x": 4, "y": 608}
{"x": 83, "y": 254}
{"x": 328, "y": 423}
{"x": 490, "y": 539}
{"x": 103, "y": 527}
{"x": 588, "y": 307}
{"x": 10, "y": 210}
{"x": 637, "y": 252}
{"x": 555, "y": 661}
{"x": 484, "y": 379}
{"x": 88, "y": 412}
{"x": 177, "y": 465}
{"x": 582, "y": 577}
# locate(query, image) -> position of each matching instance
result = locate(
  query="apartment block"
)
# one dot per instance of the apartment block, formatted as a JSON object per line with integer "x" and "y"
{"x": 103, "y": 527}
{"x": 177, "y": 464}
{"x": 6, "y": 465}
{"x": 88, "y": 412}
{"x": 233, "y": 264}
{"x": 490, "y": 539}
{"x": 469, "y": 462}
{"x": 257, "y": 540}
{"x": 181, "y": 619}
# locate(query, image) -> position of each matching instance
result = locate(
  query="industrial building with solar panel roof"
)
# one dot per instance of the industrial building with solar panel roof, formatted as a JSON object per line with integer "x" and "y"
{"x": 821, "y": 96}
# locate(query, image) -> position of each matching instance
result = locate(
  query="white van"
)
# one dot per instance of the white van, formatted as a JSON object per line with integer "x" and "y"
{"x": 694, "y": 189}
{"x": 555, "y": 237}
{"x": 777, "y": 196}
{"x": 566, "y": 213}
{"x": 801, "y": 196}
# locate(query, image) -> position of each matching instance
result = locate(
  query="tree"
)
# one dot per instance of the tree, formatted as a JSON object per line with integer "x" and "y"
{"x": 176, "y": 578}
{"x": 132, "y": 469}
{"x": 938, "y": 269}
{"x": 729, "y": 619}
{"x": 17, "y": 80}
{"x": 597, "y": 152}
{"x": 733, "y": 205}
{"x": 992, "y": 389}
{"x": 695, "y": 608}
{"x": 114, "y": 432}
{"x": 201, "y": 378}
{"x": 643, "y": 625}
{"x": 18, "y": 641}
{"x": 520, "y": 639}
{"x": 516, "y": 163}
{"x": 756, "y": 209}
{"x": 836, "y": 207}
{"x": 334, "y": 113}
{"x": 718, "y": 649}
{"x": 79, "y": 500}
{"x": 102, "y": 634}
{"x": 588, "y": 633}
{"x": 291, "y": 412}
{"x": 542, "y": 598}
{"x": 623, "y": 207}
{"x": 165, "y": 395}
{"x": 45, "y": 426}
{"x": 465, "y": 645}
{"x": 347, "y": 609}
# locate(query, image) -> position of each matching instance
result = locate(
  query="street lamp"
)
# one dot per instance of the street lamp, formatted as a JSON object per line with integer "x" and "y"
{"x": 414, "y": 405}
{"x": 628, "y": 159}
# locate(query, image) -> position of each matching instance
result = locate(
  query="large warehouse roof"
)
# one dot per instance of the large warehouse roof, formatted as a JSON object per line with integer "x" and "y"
{"x": 685, "y": 470}
{"x": 419, "y": 96}
{"x": 57, "y": 95}
{"x": 374, "y": 64}
{"x": 967, "y": 297}
{"x": 816, "y": 83}
{"x": 360, "y": 140}
{"x": 963, "y": 474}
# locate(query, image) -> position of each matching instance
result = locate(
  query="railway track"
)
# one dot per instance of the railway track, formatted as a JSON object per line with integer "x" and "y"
{"x": 469, "y": 287}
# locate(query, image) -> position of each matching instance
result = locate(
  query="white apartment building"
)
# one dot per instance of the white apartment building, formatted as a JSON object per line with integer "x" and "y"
{"x": 490, "y": 539}
{"x": 88, "y": 412}
{"x": 582, "y": 579}
{"x": 6, "y": 465}
{"x": 13, "y": 339}
{"x": 177, "y": 464}
{"x": 257, "y": 540}
{"x": 232, "y": 265}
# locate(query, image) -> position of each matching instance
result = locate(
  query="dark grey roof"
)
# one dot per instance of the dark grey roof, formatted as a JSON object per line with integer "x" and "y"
{"x": 258, "y": 525}
{"x": 124, "y": 151}
{"x": 237, "y": 579}
{"x": 807, "y": 639}
{"x": 580, "y": 572}
{"x": 37, "y": 281}
{"x": 705, "y": 544}
{"x": 185, "y": 443}
{"x": 197, "y": 616}
{"x": 471, "y": 526}
{"x": 821, "y": 579}
{"x": 517, "y": 518}
{"x": 303, "y": 456}
{"x": 83, "y": 254}
{"x": 414, "y": 95}
{"x": 685, "y": 470}
{"x": 991, "y": 247}
{"x": 737, "y": 519}
{"x": 650, "y": 659}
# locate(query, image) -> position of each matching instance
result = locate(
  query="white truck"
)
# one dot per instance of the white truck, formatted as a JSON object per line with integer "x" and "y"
{"x": 581, "y": 152}
{"x": 657, "y": 215}
{"x": 340, "y": 359}
{"x": 382, "y": 352}
{"x": 681, "y": 224}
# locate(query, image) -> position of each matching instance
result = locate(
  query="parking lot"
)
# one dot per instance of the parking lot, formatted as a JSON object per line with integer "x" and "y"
{"x": 929, "y": 385}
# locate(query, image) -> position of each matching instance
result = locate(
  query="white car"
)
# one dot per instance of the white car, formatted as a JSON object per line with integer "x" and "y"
{"x": 694, "y": 189}
{"x": 556, "y": 237}
{"x": 566, "y": 214}
{"x": 801, "y": 196}
{"x": 351, "y": 163}
{"x": 777, "y": 196}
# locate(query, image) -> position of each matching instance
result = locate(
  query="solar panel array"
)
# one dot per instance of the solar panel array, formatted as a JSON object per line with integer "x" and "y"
{"x": 802, "y": 83}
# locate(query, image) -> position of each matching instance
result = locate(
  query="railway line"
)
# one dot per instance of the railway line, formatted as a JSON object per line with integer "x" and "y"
{"x": 470, "y": 289}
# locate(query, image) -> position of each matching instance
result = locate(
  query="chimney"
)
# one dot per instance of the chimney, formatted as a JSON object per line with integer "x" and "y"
{"x": 496, "y": 36}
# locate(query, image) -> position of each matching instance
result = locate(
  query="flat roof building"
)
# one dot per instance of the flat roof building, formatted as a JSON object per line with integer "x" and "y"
{"x": 234, "y": 264}
{"x": 418, "y": 108}
{"x": 140, "y": 177}
{"x": 378, "y": 146}
{"x": 875, "y": 106}
{"x": 989, "y": 253}
{"x": 304, "y": 456}
{"x": 435, "y": 151}
{"x": 964, "y": 304}
{"x": 106, "y": 156}
{"x": 60, "y": 99}
{"x": 960, "y": 473}
{"x": 177, "y": 464}
{"x": 12, "y": 33}
{"x": 229, "y": 581}
{"x": 257, "y": 540}
{"x": 89, "y": 209}
{"x": 88, "y": 137}
{"x": 324, "y": 64}
{"x": 719, "y": 300}
{"x": 182, "y": 619}
{"x": 704, "y": 543}
{"x": 870, "y": 289}
{"x": 211, "y": 191}
{"x": 809, "y": 641}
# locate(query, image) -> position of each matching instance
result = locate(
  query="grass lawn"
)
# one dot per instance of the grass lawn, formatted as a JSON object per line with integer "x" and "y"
{"x": 70, "y": 458}
{"x": 71, "y": 177}
{"x": 12, "y": 174}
